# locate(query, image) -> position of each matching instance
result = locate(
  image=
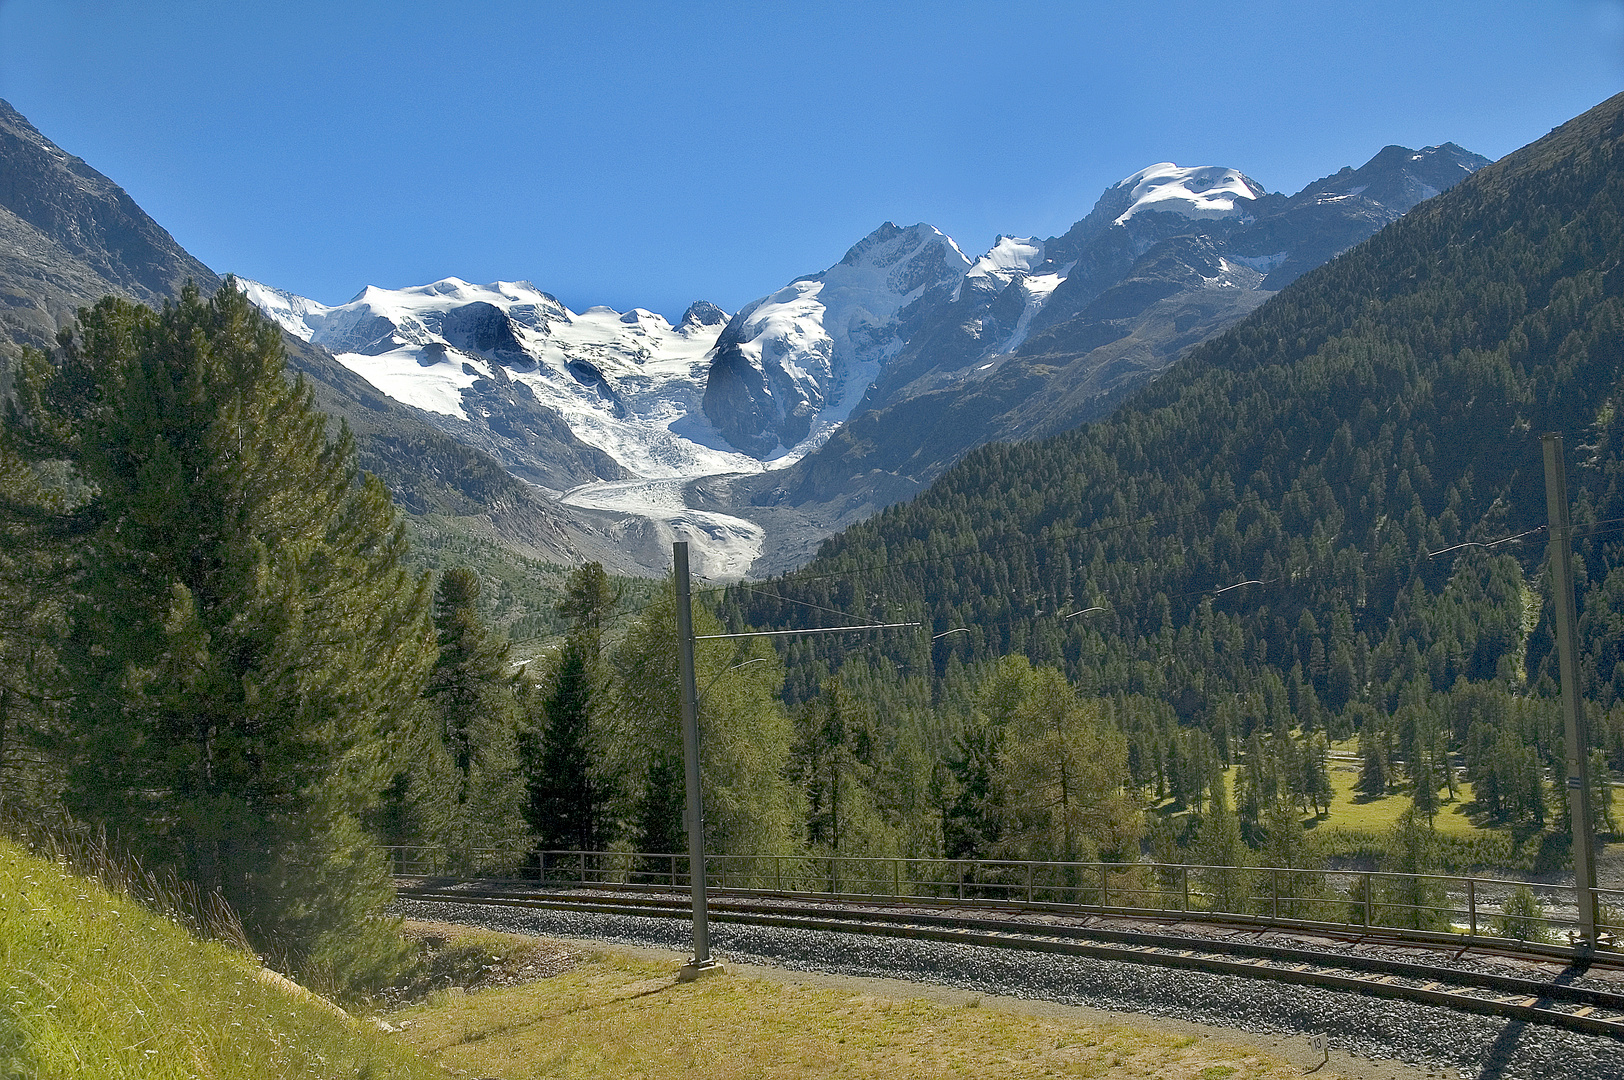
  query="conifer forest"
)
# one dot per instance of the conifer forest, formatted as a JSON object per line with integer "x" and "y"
{"x": 1316, "y": 544}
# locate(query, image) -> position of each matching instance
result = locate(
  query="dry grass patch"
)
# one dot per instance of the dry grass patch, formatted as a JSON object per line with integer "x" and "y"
{"x": 616, "y": 1016}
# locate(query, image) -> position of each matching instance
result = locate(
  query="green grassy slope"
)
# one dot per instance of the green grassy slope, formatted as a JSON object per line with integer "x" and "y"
{"x": 94, "y": 985}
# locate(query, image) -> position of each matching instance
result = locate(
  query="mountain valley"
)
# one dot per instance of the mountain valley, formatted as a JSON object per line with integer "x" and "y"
{"x": 756, "y": 435}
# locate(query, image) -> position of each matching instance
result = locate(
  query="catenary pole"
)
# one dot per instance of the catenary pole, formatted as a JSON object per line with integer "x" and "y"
{"x": 1576, "y": 737}
{"x": 702, "y": 961}
{"x": 690, "y": 759}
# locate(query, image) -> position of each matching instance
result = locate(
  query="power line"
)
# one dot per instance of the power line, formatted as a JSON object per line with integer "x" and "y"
{"x": 802, "y": 603}
{"x": 981, "y": 547}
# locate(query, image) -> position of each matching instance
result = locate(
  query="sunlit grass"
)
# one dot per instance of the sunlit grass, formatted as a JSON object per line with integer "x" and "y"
{"x": 1352, "y": 810}
{"x": 94, "y": 985}
{"x": 620, "y": 1017}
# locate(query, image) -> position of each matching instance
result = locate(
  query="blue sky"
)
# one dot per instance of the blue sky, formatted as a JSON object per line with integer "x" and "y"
{"x": 651, "y": 154}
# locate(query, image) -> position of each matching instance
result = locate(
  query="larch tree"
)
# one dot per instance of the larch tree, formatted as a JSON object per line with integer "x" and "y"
{"x": 745, "y": 736}
{"x": 243, "y": 640}
{"x": 1062, "y": 770}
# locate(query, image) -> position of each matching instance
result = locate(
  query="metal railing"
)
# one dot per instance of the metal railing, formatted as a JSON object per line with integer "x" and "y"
{"x": 1441, "y": 904}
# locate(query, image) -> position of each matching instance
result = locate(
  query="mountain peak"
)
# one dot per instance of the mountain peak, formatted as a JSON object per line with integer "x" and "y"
{"x": 1205, "y": 192}
{"x": 891, "y": 242}
{"x": 701, "y": 313}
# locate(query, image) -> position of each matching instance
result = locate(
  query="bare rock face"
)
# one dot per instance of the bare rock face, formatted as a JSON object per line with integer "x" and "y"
{"x": 69, "y": 236}
{"x": 794, "y": 364}
{"x": 1041, "y": 335}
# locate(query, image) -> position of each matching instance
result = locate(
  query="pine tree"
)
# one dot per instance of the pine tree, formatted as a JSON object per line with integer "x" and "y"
{"x": 32, "y": 575}
{"x": 571, "y": 786}
{"x": 1372, "y": 761}
{"x": 243, "y": 639}
{"x": 568, "y": 797}
{"x": 469, "y": 681}
{"x": 1219, "y": 845}
{"x": 972, "y": 821}
{"x": 473, "y": 715}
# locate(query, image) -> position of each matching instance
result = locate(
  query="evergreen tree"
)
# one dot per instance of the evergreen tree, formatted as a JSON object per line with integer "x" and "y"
{"x": 1424, "y": 790}
{"x": 1372, "y": 761}
{"x": 243, "y": 639}
{"x": 473, "y": 712}
{"x": 33, "y": 573}
{"x": 1412, "y": 899}
{"x": 569, "y": 794}
{"x": 468, "y": 683}
{"x": 836, "y": 757}
{"x": 972, "y": 821}
{"x": 661, "y": 805}
{"x": 1219, "y": 845}
{"x": 572, "y": 791}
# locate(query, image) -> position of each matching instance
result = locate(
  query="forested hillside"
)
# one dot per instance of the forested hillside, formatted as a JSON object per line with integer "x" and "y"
{"x": 1259, "y": 526}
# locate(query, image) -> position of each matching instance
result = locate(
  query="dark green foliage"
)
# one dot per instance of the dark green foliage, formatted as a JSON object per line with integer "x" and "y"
{"x": 569, "y": 793}
{"x": 835, "y": 759}
{"x": 33, "y": 571}
{"x": 567, "y": 806}
{"x": 745, "y": 736}
{"x": 456, "y": 789}
{"x": 971, "y": 821}
{"x": 468, "y": 687}
{"x": 1522, "y": 918}
{"x": 660, "y": 807}
{"x": 1385, "y": 406}
{"x": 243, "y": 642}
{"x": 1410, "y": 899}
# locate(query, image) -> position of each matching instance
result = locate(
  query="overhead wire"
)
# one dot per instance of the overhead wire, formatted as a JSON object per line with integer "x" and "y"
{"x": 1005, "y": 543}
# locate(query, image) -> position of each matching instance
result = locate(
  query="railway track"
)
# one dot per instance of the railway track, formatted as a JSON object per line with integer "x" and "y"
{"x": 1555, "y": 1001}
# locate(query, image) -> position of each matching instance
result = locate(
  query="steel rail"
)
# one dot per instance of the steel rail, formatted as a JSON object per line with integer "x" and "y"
{"x": 1583, "y": 1009}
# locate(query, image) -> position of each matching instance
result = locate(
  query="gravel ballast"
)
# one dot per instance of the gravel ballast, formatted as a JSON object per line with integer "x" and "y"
{"x": 1466, "y": 1045}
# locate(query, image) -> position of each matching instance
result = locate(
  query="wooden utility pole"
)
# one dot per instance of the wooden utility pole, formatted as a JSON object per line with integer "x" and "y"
{"x": 1575, "y": 733}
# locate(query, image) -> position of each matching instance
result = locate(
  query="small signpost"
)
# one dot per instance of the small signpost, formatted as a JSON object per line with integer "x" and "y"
{"x": 1319, "y": 1043}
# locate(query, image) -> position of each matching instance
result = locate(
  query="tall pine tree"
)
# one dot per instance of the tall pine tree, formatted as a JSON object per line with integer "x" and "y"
{"x": 571, "y": 792}
{"x": 243, "y": 638}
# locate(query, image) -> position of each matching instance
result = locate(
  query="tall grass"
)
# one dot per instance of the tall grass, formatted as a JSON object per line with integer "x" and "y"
{"x": 86, "y": 851}
{"x": 94, "y": 984}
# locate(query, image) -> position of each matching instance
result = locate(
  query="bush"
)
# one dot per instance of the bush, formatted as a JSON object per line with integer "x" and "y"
{"x": 1522, "y": 918}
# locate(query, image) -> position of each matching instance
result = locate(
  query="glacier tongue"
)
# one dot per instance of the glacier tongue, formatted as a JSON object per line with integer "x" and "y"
{"x": 625, "y": 383}
{"x": 723, "y": 546}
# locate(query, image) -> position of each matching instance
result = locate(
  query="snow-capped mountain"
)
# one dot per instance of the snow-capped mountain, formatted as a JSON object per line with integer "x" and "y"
{"x": 1041, "y": 335}
{"x": 790, "y": 367}
{"x": 563, "y": 397}
{"x": 850, "y": 388}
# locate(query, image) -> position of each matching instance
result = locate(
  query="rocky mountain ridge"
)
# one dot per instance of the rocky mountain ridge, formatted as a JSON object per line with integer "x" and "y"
{"x": 1042, "y": 335}
{"x": 69, "y": 236}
